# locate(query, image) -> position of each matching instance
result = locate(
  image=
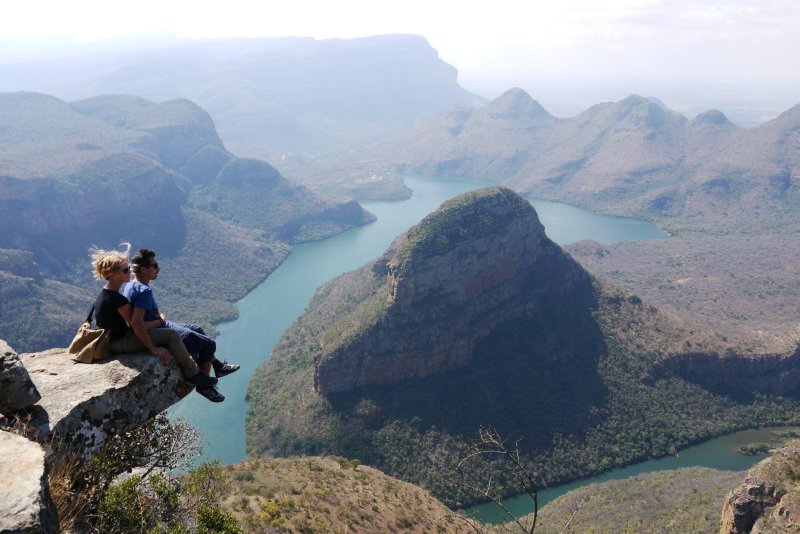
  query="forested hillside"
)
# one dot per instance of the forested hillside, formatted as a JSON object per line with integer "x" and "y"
{"x": 109, "y": 169}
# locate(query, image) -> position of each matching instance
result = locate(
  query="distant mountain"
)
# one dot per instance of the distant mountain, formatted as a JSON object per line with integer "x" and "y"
{"x": 270, "y": 98}
{"x": 119, "y": 168}
{"x": 634, "y": 157}
{"x": 474, "y": 318}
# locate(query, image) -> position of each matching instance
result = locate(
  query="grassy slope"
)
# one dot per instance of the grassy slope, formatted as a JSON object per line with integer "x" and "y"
{"x": 331, "y": 495}
{"x": 681, "y": 500}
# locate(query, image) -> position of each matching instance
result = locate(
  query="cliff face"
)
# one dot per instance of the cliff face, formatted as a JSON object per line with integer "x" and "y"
{"x": 769, "y": 498}
{"x": 732, "y": 373}
{"x": 445, "y": 285}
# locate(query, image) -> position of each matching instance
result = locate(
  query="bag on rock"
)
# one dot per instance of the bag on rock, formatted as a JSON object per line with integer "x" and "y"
{"x": 89, "y": 344}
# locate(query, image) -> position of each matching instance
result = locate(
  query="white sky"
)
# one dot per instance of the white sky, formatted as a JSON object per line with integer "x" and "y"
{"x": 495, "y": 45}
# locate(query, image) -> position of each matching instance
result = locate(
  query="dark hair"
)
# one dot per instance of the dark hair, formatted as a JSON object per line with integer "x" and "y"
{"x": 142, "y": 259}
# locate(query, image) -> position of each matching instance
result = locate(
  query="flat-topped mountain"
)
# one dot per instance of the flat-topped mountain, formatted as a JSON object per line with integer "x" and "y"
{"x": 120, "y": 168}
{"x": 633, "y": 157}
{"x": 475, "y": 318}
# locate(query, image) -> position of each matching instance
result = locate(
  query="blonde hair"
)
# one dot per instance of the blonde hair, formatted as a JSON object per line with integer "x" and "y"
{"x": 107, "y": 262}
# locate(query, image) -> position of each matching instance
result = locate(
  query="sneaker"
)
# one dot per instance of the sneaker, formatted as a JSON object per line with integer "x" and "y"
{"x": 211, "y": 394}
{"x": 224, "y": 368}
{"x": 201, "y": 380}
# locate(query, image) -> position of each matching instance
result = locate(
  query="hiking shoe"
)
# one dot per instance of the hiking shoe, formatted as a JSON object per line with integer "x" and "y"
{"x": 211, "y": 394}
{"x": 201, "y": 380}
{"x": 224, "y": 368}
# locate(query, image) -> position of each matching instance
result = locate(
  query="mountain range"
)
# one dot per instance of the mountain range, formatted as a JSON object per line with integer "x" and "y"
{"x": 116, "y": 168}
{"x": 634, "y": 157}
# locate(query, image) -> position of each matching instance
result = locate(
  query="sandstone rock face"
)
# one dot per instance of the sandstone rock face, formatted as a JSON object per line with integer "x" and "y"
{"x": 83, "y": 405}
{"x": 17, "y": 391}
{"x": 769, "y": 498}
{"x": 768, "y": 373}
{"x": 25, "y": 505}
{"x": 475, "y": 263}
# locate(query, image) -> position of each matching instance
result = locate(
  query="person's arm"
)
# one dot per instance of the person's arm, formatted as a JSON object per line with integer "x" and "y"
{"x": 138, "y": 326}
{"x": 155, "y": 323}
{"x": 126, "y": 311}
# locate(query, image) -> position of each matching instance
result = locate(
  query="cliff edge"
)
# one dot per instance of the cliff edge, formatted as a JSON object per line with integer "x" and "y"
{"x": 57, "y": 402}
{"x": 769, "y": 498}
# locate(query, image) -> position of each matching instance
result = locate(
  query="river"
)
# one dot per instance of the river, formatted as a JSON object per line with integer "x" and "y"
{"x": 720, "y": 453}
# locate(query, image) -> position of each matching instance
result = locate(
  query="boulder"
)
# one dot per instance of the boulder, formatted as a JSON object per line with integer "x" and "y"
{"x": 83, "y": 405}
{"x": 25, "y": 505}
{"x": 17, "y": 390}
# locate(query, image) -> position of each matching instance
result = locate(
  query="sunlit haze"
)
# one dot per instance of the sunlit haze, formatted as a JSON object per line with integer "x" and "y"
{"x": 568, "y": 54}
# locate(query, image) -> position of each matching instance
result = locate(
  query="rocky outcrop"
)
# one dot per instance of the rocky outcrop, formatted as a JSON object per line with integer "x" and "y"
{"x": 83, "y": 405}
{"x": 25, "y": 505}
{"x": 80, "y": 406}
{"x": 769, "y": 498}
{"x": 444, "y": 285}
{"x": 17, "y": 391}
{"x": 733, "y": 373}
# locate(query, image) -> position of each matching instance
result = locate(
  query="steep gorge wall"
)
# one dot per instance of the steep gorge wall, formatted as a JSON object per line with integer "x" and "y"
{"x": 732, "y": 373}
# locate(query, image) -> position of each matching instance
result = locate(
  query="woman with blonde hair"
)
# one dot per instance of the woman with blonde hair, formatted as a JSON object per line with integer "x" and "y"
{"x": 113, "y": 312}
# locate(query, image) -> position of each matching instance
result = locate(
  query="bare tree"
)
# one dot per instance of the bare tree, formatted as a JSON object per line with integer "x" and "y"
{"x": 489, "y": 443}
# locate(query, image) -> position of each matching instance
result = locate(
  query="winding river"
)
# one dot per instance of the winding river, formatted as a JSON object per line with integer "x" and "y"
{"x": 267, "y": 311}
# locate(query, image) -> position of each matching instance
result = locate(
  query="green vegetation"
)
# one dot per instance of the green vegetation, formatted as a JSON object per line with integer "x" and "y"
{"x": 455, "y": 221}
{"x": 682, "y": 500}
{"x": 790, "y": 433}
{"x": 741, "y": 286}
{"x": 118, "y": 168}
{"x": 329, "y": 494}
{"x": 152, "y": 500}
{"x": 753, "y": 449}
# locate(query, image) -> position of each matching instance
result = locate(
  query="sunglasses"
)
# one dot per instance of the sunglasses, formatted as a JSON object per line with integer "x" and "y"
{"x": 155, "y": 265}
{"x": 126, "y": 270}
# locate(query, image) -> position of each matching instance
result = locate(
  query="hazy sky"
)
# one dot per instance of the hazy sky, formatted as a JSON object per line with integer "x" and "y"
{"x": 636, "y": 45}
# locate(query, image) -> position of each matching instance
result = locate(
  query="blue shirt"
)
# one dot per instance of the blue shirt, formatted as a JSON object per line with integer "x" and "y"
{"x": 141, "y": 296}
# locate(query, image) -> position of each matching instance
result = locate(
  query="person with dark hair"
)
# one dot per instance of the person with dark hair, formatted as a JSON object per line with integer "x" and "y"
{"x": 114, "y": 312}
{"x": 146, "y": 268}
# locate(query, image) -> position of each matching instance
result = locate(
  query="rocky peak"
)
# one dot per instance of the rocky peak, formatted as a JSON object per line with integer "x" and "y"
{"x": 478, "y": 261}
{"x": 516, "y": 103}
{"x": 643, "y": 112}
{"x": 464, "y": 225}
{"x": 712, "y": 117}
